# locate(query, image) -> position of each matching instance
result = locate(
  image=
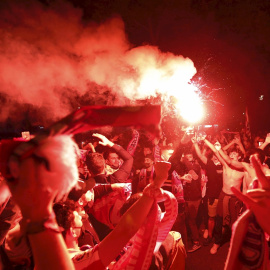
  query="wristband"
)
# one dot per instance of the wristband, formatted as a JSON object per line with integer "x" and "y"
{"x": 152, "y": 191}
{"x": 47, "y": 224}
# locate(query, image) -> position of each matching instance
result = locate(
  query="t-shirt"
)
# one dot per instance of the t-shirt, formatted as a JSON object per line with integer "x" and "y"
{"x": 214, "y": 183}
{"x": 192, "y": 191}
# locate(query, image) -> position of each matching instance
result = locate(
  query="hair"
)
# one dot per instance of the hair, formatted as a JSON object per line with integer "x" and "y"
{"x": 236, "y": 150}
{"x": 260, "y": 152}
{"x": 108, "y": 152}
{"x": 64, "y": 214}
{"x": 61, "y": 163}
{"x": 95, "y": 163}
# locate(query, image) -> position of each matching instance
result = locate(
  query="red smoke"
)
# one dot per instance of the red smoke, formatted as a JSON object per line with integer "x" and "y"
{"x": 48, "y": 56}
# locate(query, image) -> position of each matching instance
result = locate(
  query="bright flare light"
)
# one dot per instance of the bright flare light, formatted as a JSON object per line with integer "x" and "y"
{"x": 189, "y": 104}
{"x": 167, "y": 76}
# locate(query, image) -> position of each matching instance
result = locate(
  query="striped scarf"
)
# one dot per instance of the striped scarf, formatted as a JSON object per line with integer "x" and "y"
{"x": 133, "y": 143}
{"x": 150, "y": 236}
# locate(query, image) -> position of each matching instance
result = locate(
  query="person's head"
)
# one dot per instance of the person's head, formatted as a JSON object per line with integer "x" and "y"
{"x": 148, "y": 161}
{"x": 235, "y": 154}
{"x": 112, "y": 159}
{"x": 188, "y": 156}
{"x": 257, "y": 152}
{"x": 68, "y": 218}
{"x": 95, "y": 163}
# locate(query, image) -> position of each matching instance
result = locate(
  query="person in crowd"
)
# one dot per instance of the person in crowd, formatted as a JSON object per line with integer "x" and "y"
{"x": 246, "y": 167}
{"x": 104, "y": 254}
{"x": 29, "y": 181}
{"x": 213, "y": 169}
{"x": 95, "y": 163}
{"x": 112, "y": 160}
{"x": 184, "y": 163}
{"x": 145, "y": 175}
{"x": 192, "y": 195}
{"x": 228, "y": 207}
{"x": 252, "y": 226}
{"x": 174, "y": 185}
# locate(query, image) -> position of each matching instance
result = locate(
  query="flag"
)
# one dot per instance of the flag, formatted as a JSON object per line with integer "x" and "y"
{"x": 85, "y": 119}
{"x": 247, "y": 125}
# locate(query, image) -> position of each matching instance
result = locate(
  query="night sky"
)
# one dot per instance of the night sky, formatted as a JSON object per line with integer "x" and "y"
{"x": 228, "y": 42}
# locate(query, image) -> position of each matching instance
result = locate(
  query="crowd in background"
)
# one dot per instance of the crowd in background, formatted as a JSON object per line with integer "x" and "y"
{"x": 127, "y": 169}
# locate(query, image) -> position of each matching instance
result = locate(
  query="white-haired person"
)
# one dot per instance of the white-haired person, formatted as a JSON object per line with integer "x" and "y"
{"x": 38, "y": 174}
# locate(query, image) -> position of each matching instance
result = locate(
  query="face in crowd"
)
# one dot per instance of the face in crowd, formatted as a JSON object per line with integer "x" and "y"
{"x": 189, "y": 157}
{"x": 113, "y": 160}
{"x": 148, "y": 162}
{"x": 234, "y": 156}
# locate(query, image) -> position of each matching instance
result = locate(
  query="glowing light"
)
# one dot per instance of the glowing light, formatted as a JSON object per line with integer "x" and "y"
{"x": 188, "y": 103}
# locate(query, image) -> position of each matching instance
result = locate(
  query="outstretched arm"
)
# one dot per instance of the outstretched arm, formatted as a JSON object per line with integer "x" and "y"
{"x": 236, "y": 141}
{"x": 198, "y": 151}
{"x": 132, "y": 220}
{"x": 227, "y": 146}
{"x": 215, "y": 148}
{"x": 237, "y": 165}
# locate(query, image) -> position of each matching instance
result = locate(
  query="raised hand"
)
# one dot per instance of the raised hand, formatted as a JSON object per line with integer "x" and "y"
{"x": 194, "y": 139}
{"x": 267, "y": 139}
{"x": 103, "y": 140}
{"x": 217, "y": 145}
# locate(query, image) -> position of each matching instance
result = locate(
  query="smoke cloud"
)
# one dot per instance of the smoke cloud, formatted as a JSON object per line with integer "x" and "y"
{"x": 49, "y": 58}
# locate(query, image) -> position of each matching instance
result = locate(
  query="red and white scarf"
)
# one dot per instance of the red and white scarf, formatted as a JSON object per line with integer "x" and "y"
{"x": 149, "y": 237}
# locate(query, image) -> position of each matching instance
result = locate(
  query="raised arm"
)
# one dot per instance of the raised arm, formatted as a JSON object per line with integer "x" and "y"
{"x": 202, "y": 157}
{"x": 215, "y": 148}
{"x": 133, "y": 219}
{"x": 230, "y": 144}
{"x": 237, "y": 165}
{"x": 239, "y": 143}
{"x": 122, "y": 174}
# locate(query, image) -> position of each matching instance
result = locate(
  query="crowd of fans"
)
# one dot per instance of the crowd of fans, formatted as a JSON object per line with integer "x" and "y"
{"x": 138, "y": 202}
